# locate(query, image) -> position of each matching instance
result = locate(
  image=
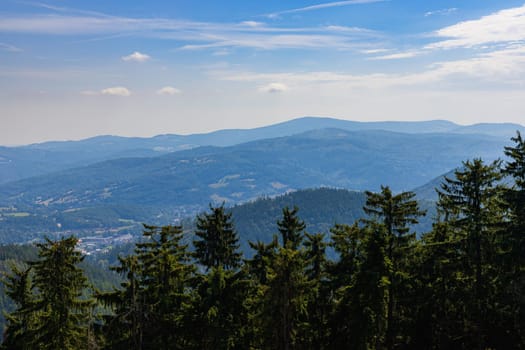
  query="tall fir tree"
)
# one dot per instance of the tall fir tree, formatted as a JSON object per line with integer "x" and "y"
{"x": 291, "y": 228}
{"x": 150, "y": 311}
{"x": 396, "y": 213}
{"x": 471, "y": 203}
{"x": 218, "y": 243}
{"x": 52, "y": 302}
{"x": 20, "y": 322}
{"x": 514, "y": 238}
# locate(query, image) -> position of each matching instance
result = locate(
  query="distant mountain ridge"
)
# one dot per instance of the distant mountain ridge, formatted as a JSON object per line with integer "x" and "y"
{"x": 120, "y": 193}
{"x": 37, "y": 159}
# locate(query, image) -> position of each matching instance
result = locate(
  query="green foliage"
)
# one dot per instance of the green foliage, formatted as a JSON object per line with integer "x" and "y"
{"x": 51, "y": 311}
{"x": 218, "y": 242}
{"x": 461, "y": 286}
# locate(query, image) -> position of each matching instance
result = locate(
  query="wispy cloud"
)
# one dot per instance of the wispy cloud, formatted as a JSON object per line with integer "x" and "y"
{"x": 168, "y": 91}
{"x": 193, "y": 35}
{"x": 397, "y": 56}
{"x": 506, "y": 26}
{"x": 136, "y": 57}
{"x": 116, "y": 91}
{"x": 442, "y": 12}
{"x": 507, "y": 67}
{"x": 9, "y": 48}
{"x": 273, "y": 88}
{"x": 321, "y": 6}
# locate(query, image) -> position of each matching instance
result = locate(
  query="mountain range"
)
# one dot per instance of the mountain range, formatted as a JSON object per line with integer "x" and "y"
{"x": 36, "y": 159}
{"x": 125, "y": 181}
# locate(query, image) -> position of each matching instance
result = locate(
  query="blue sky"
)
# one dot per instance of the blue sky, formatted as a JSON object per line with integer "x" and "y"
{"x": 75, "y": 69}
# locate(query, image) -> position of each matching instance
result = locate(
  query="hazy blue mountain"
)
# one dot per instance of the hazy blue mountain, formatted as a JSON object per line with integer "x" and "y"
{"x": 120, "y": 193}
{"x": 37, "y": 159}
{"x": 329, "y": 157}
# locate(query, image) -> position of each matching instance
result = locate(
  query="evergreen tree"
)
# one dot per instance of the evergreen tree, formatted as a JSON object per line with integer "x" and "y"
{"x": 319, "y": 294}
{"x": 52, "y": 312}
{"x": 124, "y": 326}
{"x": 218, "y": 242}
{"x": 165, "y": 272}
{"x": 258, "y": 265}
{"x": 396, "y": 213}
{"x": 220, "y": 310}
{"x": 20, "y": 322}
{"x": 471, "y": 204}
{"x": 514, "y": 239}
{"x": 285, "y": 297}
{"x": 150, "y": 311}
{"x": 347, "y": 241}
{"x": 286, "y": 300}
{"x": 368, "y": 296}
{"x": 439, "y": 278}
{"x": 291, "y": 228}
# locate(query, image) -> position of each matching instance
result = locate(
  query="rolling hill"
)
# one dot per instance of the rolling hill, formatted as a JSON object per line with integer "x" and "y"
{"x": 37, "y": 159}
{"x": 116, "y": 195}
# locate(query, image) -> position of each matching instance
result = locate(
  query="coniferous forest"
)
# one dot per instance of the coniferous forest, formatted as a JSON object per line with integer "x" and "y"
{"x": 459, "y": 286}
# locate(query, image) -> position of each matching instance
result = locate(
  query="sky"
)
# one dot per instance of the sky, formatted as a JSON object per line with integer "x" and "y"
{"x": 73, "y": 69}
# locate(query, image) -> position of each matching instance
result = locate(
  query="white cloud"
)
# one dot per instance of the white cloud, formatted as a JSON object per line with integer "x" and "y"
{"x": 116, "y": 91}
{"x": 397, "y": 56}
{"x": 374, "y": 51}
{"x": 9, "y": 48}
{"x": 321, "y": 6}
{"x": 136, "y": 57}
{"x": 168, "y": 90}
{"x": 504, "y": 26}
{"x": 443, "y": 12}
{"x": 252, "y": 24}
{"x": 197, "y": 35}
{"x": 273, "y": 88}
{"x": 496, "y": 69}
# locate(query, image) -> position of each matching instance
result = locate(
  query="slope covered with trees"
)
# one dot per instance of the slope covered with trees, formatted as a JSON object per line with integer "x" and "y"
{"x": 461, "y": 286}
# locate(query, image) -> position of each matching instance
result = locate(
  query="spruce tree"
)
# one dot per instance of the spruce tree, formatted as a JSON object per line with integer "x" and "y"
{"x": 21, "y": 322}
{"x": 150, "y": 311}
{"x": 218, "y": 241}
{"x": 285, "y": 296}
{"x": 368, "y": 294}
{"x": 291, "y": 228}
{"x": 52, "y": 312}
{"x": 319, "y": 294}
{"x": 165, "y": 274}
{"x": 347, "y": 242}
{"x": 514, "y": 238}
{"x": 471, "y": 204}
{"x": 396, "y": 213}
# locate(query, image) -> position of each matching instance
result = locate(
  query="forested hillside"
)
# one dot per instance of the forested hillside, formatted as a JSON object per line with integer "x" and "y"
{"x": 117, "y": 195}
{"x": 461, "y": 286}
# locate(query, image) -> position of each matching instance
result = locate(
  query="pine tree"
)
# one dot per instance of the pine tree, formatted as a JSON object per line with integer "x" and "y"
{"x": 20, "y": 322}
{"x": 347, "y": 241}
{"x": 165, "y": 272}
{"x": 61, "y": 283}
{"x": 291, "y": 228}
{"x": 514, "y": 239}
{"x": 471, "y": 204}
{"x": 319, "y": 294}
{"x": 124, "y": 326}
{"x": 286, "y": 300}
{"x": 220, "y": 310}
{"x": 150, "y": 310}
{"x": 52, "y": 312}
{"x": 396, "y": 213}
{"x": 285, "y": 296}
{"x": 368, "y": 296}
{"x": 218, "y": 242}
